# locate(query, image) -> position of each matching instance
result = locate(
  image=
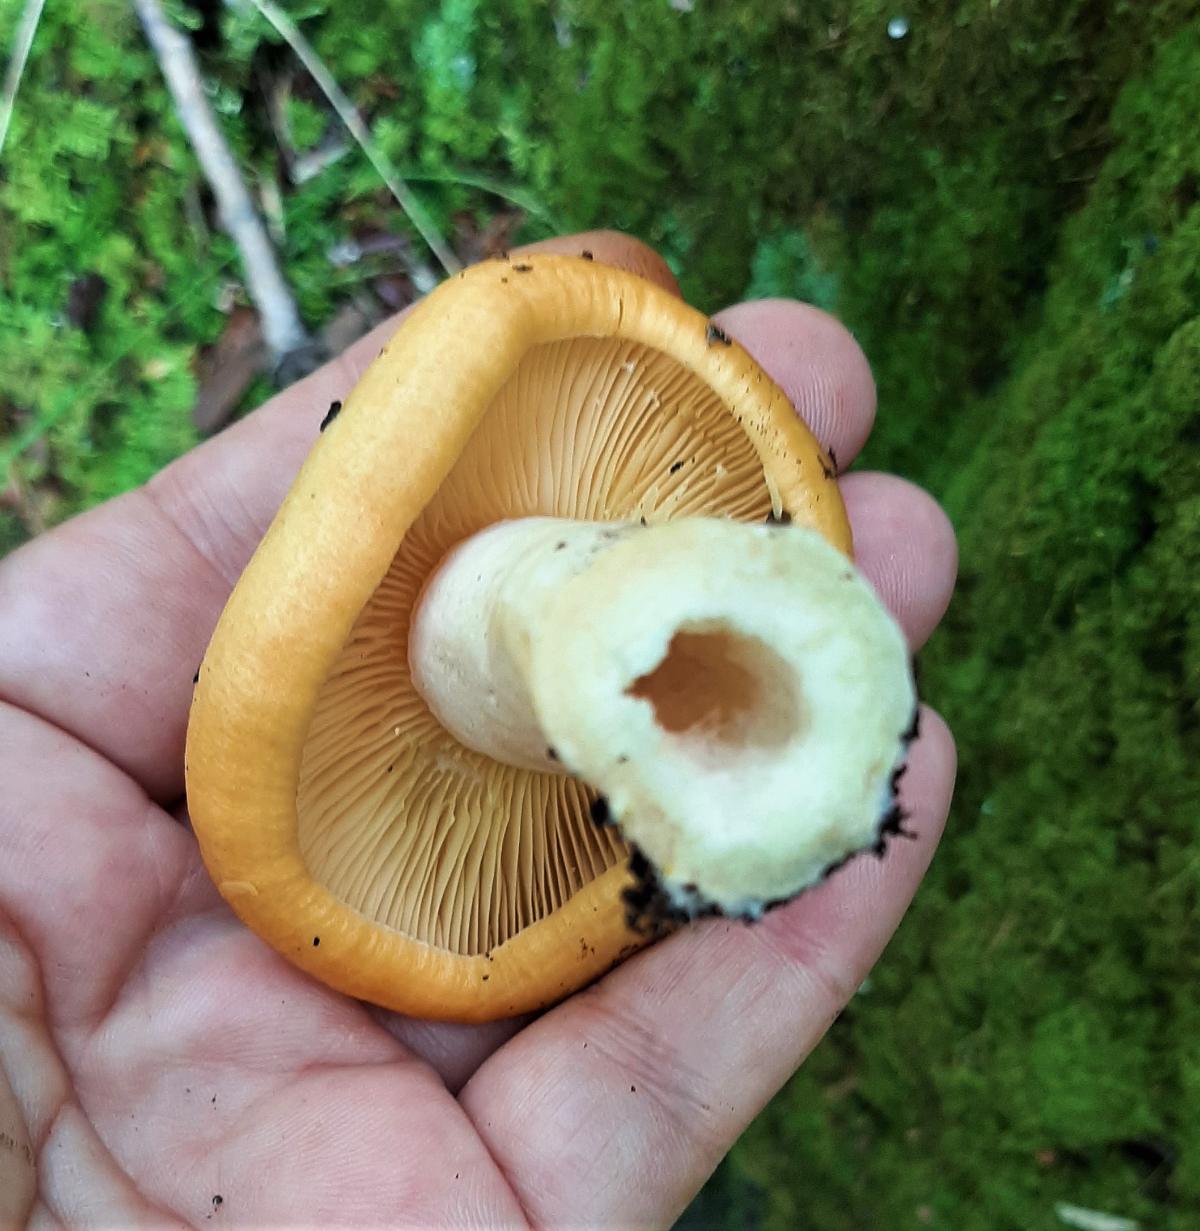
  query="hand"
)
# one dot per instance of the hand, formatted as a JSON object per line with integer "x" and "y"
{"x": 166, "y": 1067}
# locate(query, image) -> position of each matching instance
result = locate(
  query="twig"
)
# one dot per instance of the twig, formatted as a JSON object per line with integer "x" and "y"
{"x": 282, "y": 327}
{"x": 27, "y": 28}
{"x": 348, "y": 114}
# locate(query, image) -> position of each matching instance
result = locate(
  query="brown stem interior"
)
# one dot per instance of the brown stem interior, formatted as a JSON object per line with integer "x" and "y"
{"x": 730, "y": 692}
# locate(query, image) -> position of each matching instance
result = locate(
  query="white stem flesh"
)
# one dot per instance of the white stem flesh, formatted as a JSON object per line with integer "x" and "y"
{"x": 737, "y": 693}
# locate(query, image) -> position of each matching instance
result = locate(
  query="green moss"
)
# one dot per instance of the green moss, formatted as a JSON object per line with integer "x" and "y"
{"x": 94, "y": 172}
{"x": 306, "y": 122}
{"x": 1029, "y": 1037}
{"x": 793, "y": 148}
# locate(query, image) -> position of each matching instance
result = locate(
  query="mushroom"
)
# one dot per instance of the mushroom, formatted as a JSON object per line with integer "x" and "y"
{"x": 555, "y": 641}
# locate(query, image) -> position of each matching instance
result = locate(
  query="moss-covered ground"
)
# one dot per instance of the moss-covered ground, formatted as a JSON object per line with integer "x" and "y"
{"x": 1004, "y": 204}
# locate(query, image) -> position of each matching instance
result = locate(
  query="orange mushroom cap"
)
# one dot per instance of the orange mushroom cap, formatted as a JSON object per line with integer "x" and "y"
{"x": 338, "y": 817}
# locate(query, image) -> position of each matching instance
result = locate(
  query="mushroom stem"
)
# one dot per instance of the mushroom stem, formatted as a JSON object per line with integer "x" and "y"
{"x": 737, "y": 693}
{"x": 474, "y": 630}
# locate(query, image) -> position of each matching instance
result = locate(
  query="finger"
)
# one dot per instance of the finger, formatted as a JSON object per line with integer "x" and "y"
{"x": 104, "y": 620}
{"x": 453, "y": 1050}
{"x": 904, "y": 544}
{"x": 18, "y": 1168}
{"x": 87, "y": 868}
{"x": 615, "y": 1107}
{"x": 817, "y": 363}
{"x": 612, "y": 248}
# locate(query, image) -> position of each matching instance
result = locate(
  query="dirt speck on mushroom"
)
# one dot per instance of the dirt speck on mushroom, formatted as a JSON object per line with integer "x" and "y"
{"x": 331, "y": 414}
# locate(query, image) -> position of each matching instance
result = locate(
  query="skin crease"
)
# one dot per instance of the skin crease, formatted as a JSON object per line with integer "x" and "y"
{"x": 160, "y": 1056}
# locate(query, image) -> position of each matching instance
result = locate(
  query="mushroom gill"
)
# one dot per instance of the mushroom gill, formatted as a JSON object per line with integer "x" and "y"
{"x": 396, "y": 817}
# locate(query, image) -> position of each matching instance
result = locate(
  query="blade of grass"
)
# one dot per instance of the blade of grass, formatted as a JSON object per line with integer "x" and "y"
{"x": 348, "y": 114}
{"x": 27, "y": 28}
{"x": 494, "y": 187}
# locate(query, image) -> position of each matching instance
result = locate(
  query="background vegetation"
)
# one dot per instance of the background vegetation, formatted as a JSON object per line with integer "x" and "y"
{"x": 1004, "y": 204}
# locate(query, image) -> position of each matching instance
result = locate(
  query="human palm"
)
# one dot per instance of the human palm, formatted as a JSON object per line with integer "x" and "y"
{"x": 165, "y": 1066}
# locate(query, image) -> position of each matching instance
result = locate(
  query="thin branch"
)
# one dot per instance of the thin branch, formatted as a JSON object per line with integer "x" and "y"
{"x": 348, "y": 114}
{"x": 30, "y": 17}
{"x": 281, "y": 322}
